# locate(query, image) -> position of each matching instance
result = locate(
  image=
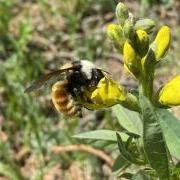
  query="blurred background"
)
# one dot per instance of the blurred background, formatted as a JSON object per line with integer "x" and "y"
{"x": 37, "y": 36}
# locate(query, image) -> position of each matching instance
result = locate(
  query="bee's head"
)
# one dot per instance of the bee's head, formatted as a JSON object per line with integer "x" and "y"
{"x": 85, "y": 67}
{"x": 88, "y": 71}
{"x": 84, "y": 74}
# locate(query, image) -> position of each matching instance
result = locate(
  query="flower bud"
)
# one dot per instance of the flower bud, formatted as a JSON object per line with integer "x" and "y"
{"x": 129, "y": 54}
{"x": 129, "y": 29}
{"x": 162, "y": 42}
{"x": 130, "y": 58}
{"x": 169, "y": 95}
{"x": 141, "y": 42}
{"x": 122, "y": 13}
{"x": 115, "y": 33}
{"x": 145, "y": 24}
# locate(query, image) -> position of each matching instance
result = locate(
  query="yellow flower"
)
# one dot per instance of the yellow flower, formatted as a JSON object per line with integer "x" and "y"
{"x": 170, "y": 93}
{"x": 162, "y": 42}
{"x": 106, "y": 94}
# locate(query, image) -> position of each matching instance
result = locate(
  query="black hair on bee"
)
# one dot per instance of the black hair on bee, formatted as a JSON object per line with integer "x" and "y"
{"x": 84, "y": 74}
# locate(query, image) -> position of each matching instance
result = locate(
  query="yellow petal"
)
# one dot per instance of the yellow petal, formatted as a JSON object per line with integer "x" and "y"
{"x": 170, "y": 93}
{"x": 131, "y": 61}
{"x": 129, "y": 54}
{"x": 162, "y": 42}
{"x": 107, "y": 93}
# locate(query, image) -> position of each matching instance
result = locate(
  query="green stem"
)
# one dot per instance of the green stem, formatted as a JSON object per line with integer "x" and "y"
{"x": 147, "y": 85}
{"x": 147, "y": 74}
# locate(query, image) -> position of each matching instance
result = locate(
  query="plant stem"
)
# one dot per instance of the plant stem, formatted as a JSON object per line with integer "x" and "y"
{"x": 147, "y": 86}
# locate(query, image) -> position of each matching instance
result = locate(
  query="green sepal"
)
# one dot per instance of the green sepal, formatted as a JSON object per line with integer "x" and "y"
{"x": 128, "y": 29}
{"x": 115, "y": 33}
{"x": 122, "y": 13}
{"x": 141, "y": 42}
{"x": 147, "y": 76}
{"x": 145, "y": 24}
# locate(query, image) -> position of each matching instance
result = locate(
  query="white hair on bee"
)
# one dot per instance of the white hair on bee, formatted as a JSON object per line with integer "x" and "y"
{"x": 87, "y": 67}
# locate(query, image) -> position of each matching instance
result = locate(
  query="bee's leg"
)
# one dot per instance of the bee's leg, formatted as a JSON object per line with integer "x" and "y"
{"x": 78, "y": 109}
{"x": 79, "y": 112}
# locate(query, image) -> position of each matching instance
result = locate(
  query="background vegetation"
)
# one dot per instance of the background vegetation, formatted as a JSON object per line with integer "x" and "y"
{"x": 37, "y": 36}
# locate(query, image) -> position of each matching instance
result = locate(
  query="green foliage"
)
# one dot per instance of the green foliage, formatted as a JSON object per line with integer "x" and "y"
{"x": 129, "y": 120}
{"x": 8, "y": 171}
{"x": 107, "y": 135}
{"x": 171, "y": 128}
{"x": 153, "y": 140}
{"x": 141, "y": 175}
{"x": 120, "y": 164}
{"x": 127, "y": 154}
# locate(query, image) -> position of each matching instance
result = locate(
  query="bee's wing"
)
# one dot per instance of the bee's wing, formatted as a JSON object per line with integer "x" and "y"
{"x": 45, "y": 79}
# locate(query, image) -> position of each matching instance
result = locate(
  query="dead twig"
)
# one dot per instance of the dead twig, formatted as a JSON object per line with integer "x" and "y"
{"x": 81, "y": 147}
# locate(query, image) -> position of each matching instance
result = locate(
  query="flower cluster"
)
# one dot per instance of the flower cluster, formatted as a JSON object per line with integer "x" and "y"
{"x": 131, "y": 38}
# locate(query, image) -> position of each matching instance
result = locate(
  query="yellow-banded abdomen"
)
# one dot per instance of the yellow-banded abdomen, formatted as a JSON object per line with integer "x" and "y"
{"x": 63, "y": 100}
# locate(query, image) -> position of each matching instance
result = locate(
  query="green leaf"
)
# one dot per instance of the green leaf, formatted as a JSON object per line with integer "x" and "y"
{"x": 141, "y": 175}
{"x": 153, "y": 139}
{"x": 120, "y": 164}
{"x": 125, "y": 175}
{"x": 10, "y": 172}
{"x": 171, "y": 128}
{"x": 126, "y": 154}
{"x": 129, "y": 120}
{"x": 107, "y": 135}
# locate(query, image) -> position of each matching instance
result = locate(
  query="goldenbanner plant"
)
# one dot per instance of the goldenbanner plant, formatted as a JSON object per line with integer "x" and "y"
{"x": 150, "y": 139}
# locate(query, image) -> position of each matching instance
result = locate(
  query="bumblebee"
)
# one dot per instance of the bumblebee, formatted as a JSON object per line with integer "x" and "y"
{"x": 79, "y": 76}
